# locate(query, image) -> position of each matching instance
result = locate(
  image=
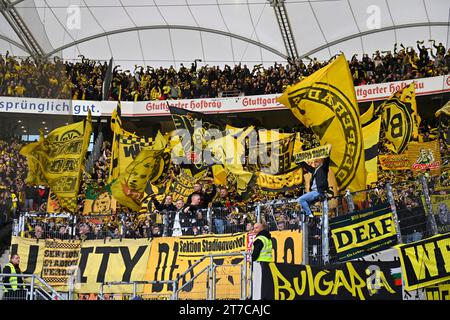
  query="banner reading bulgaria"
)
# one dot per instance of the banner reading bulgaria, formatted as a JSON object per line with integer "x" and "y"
{"x": 394, "y": 161}
{"x": 358, "y": 234}
{"x": 425, "y": 262}
{"x": 354, "y": 280}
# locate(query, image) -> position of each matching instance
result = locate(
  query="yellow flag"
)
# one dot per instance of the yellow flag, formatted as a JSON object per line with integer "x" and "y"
{"x": 400, "y": 118}
{"x": 229, "y": 151}
{"x": 150, "y": 166}
{"x": 368, "y": 115}
{"x": 59, "y": 158}
{"x": 326, "y": 103}
{"x": 445, "y": 110}
{"x": 371, "y": 134}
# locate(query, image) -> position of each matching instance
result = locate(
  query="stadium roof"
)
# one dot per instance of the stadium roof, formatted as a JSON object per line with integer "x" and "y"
{"x": 170, "y": 32}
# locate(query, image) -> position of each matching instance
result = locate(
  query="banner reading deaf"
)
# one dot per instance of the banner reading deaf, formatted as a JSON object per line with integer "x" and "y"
{"x": 357, "y": 234}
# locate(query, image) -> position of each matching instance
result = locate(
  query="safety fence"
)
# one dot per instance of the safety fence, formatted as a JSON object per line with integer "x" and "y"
{"x": 204, "y": 277}
{"x": 408, "y": 201}
{"x": 26, "y": 287}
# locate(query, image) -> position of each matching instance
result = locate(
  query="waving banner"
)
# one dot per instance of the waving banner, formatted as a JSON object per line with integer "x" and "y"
{"x": 326, "y": 103}
{"x": 400, "y": 118}
{"x": 60, "y": 158}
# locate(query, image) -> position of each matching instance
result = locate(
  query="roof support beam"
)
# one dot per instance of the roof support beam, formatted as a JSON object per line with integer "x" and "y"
{"x": 365, "y": 33}
{"x": 285, "y": 28}
{"x": 179, "y": 27}
{"x": 20, "y": 28}
{"x": 18, "y": 45}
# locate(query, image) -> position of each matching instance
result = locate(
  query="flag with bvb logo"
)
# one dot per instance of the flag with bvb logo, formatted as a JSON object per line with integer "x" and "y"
{"x": 326, "y": 103}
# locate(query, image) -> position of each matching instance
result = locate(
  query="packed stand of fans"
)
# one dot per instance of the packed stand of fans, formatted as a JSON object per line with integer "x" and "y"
{"x": 84, "y": 80}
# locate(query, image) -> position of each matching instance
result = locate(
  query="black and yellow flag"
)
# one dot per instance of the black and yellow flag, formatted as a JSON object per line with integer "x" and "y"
{"x": 326, "y": 103}
{"x": 59, "y": 160}
{"x": 194, "y": 129}
{"x": 228, "y": 155}
{"x": 367, "y": 116}
{"x": 275, "y": 151}
{"x": 400, "y": 119}
{"x": 149, "y": 167}
{"x": 444, "y": 111}
{"x": 118, "y": 134}
{"x": 371, "y": 134}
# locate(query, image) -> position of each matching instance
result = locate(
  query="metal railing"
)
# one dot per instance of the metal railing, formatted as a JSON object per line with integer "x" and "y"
{"x": 179, "y": 286}
{"x": 30, "y": 287}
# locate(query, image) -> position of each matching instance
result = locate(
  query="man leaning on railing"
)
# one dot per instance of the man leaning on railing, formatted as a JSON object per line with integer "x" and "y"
{"x": 12, "y": 285}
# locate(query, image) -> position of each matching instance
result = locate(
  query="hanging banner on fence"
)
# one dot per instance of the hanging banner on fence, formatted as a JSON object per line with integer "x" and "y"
{"x": 424, "y": 155}
{"x": 438, "y": 292}
{"x": 425, "y": 262}
{"x": 59, "y": 259}
{"x": 312, "y": 154}
{"x": 280, "y": 182}
{"x": 441, "y": 211}
{"x": 194, "y": 247}
{"x": 345, "y": 281}
{"x": 31, "y": 252}
{"x": 358, "y": 234}
{"x": 394, "y": 161}
{"x": 115, "y": 260}
{"x": 165, "y": 264}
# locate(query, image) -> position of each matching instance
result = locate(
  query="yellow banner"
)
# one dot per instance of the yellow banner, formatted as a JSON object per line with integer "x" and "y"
{"x": 280, "y": 182}
{"x": 312, "y": 154}
{"x": 326, "y": 103}
{"x": 31, "y": 254}
{"x": 165, "y": 263}
{"x": 115, "y": 260}
{"x": 425, "y": 155}
{"x": 60, "y": 258}
{"x": 425, "y": 262}
{"x": 61, "y": 158}
{"x": 438, "y": 292}
{"x": 394, "y": 161}
{"x": 98, "y": 261}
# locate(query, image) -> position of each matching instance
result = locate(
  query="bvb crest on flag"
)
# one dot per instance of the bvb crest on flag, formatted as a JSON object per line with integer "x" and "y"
{"x": 400, "y": 119}
{"x": 326, "y": 103}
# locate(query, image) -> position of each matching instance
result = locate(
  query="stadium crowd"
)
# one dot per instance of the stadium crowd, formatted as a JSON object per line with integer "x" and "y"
{"x": 84, "y": 80}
